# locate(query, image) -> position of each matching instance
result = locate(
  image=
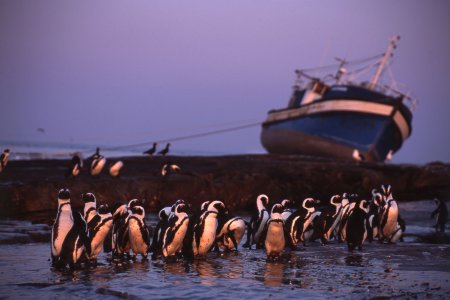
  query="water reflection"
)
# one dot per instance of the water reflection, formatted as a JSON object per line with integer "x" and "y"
{"x": 273, "y": 273}
{"x": 354, "y": 260}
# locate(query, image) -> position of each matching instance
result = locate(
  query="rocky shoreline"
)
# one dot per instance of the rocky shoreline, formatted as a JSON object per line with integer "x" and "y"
{"x": 30, "y": 187}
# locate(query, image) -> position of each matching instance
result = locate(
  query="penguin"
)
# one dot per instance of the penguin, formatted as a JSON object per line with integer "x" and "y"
{"x": 357, "y": 155}
{"x": 120, "y": 238}
{"x": 69, "y": 239}
{"x": 275, "y": 241}
{"x": 257, "y": 223}
{"x": 4, "y": 157}
{"x": 96, "y": 154}
{"x": 176, "y": 231}
{"x": 158, "y": 234}
{"x": 97, "y": 165}
{"x": 389, "y": 227}
{"x": 138, "y": 232}
{"x": 164, "y": 151}
{"x": 329, "y": 219}
{"x": 99, "y": 228}
{"x": 356, "y": 230}
{"x": 170, "y": 168}
{"x": 75, "y": 166}
{"x": 286, "y": 210}
{"x": 299, "y": 222}
{"x": 441, "y": 215}
{"x": 205, "y": 229}
{"x": 114, "y": 168}
{"x": 350, "y": 202}
{"x": 373, "y": 217}
{"x": 229, "y": 232}
{"x": 90, "y": 206}
{"x": 151, "y": 151}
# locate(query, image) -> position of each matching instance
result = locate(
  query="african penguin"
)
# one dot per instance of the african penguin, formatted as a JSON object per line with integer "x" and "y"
{"x": 99, "y": 227}
{"x": 389, "y": 227}
{"x": 298, "y": 222}
{"x": 230, "y": 231}
{"x": 164, "y": 151}
{"x": 138, "y": 232}
{"x": 152, "y": 150}
{"x": 350, "y": 201}
{"x": 206, "y": 228}
{"x": 356, "y": 231}
{"x": 75, "y": 166}
{"x": 286, "y": 210}
{"x": 258, "y": 223}
{"x": 120, "y": 238}
{"x": 69, "y": 240}
{"x": 441, "y": 215}
{"x": 329, "y": 219}
{"x": 4, "y": 157}
{"x": 175, "y": 232}
{"x": 373, "y": 217}
{"x": 170, "y": 168}
{"x": 115, "y": 168}
{"x": 275, "y": 235}
{"x": 90, "y": 206}
{"x": 97, "y": 165}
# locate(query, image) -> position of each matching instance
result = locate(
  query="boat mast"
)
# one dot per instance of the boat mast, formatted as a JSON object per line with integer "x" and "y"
{"x": 384, "y": 61}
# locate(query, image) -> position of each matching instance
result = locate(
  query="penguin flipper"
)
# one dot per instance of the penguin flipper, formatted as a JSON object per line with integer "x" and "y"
{"x": 82, "y": 230}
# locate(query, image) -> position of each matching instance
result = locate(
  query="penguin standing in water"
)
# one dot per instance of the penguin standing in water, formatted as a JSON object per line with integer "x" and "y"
{"x": 4, "y": 157}
{"x": 90, "y": 206}
{"x": 356, "y": 230}
{"x": 75, "y": 166}
{"x": 115, "y": 168}
{"x": 206, "y": 228}
{"x": 275, "y": 240}
{"x": 98, "y": 162}
{"x": 298, "y": 223}
{"x": 99, "y": 227}
{"x": 175, "y": 232}
{"x": 257, "y": 223}
{"x": 373, "y": 217}
{"x": 120, "y": 243}
{"x": 441, "y": 214}
{"x": 158, "y": 234}
{"x": 329, "y": 219}
{"x": 138, "y": 232}
{"x": 229, "y": 232}
{"x": 347, "y": 209}
{"x": 392, "y": 224}
{"x": 69, "y": 240}
{"x": 151, "y": 151}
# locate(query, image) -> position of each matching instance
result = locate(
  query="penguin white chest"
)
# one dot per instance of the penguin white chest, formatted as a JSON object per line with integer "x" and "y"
{"x": 260, "y": 229}
{"x": 99, "y": 238}
{"x": 209, "y": 235}
{"x": 391, "y": 223}
{"x": 275, "y": 241}
{"x": 61, "y": 228}
{"x": 137, "y": 242}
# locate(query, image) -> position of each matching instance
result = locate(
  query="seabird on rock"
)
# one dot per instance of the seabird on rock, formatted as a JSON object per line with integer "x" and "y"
{"x": 4, "y": 159}
{"x": 152, "y": 150}
{"x": 164, "y": 151}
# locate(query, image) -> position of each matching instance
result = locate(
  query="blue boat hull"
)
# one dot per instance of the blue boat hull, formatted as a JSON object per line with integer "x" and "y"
{"x": 334, "y": 134}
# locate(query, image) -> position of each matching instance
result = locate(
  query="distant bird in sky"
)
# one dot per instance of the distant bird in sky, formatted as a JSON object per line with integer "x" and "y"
{"x": 4, "y": 159}
{"x": 164, "y": 151}
{"x": 152, "y": 150}
{"x": 41, "y": 130}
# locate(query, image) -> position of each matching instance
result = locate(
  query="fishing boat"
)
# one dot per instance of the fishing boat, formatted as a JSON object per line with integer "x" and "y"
{"x": 341, "y": 115}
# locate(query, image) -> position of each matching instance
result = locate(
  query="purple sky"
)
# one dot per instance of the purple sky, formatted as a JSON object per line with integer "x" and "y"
{"x": 124, "y": 72}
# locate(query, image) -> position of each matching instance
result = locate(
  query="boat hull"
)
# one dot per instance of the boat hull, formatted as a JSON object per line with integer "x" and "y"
{"x": 336, "y": 130}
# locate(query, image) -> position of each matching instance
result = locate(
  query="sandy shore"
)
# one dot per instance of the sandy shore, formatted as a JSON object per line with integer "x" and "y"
{"x": 31, "y": 186}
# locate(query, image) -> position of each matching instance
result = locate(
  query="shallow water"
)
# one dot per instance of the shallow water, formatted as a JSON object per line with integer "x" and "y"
{"x": 405, "y": 270}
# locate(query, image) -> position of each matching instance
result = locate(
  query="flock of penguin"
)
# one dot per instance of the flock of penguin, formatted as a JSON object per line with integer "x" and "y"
{"x": 98, "y": 163}
{"x": 181, "y": 233}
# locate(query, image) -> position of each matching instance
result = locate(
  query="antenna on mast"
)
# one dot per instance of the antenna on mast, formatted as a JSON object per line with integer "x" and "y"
{"x": 388, "y": 54}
